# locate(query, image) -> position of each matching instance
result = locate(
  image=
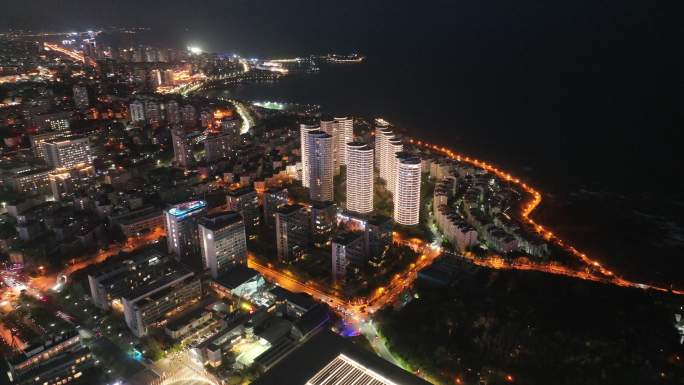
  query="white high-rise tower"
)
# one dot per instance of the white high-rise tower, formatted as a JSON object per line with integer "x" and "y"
{"x": 223, "y": 241}
{"x": 304, "y": 130}
{"x": 342, "y": 131}
{"x": 136, "y": 111}
{"x": 407, "y": 189}
{"x": 386, "y": 146}
{"x": 68, "y": 152}
{"x": 182, "y": 234}
{"x": 81, "y": 96}
{"x": 359, "y": 177}
{"x": 320, "y": 162}
{"x": 393, "y": 147}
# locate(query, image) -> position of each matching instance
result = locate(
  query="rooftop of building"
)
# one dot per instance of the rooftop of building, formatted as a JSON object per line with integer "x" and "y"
{"x": 314, "y": 318}
{"x": 56, "y": 362}
{"x": 147, "y": 257}
{"x": 185, "y": 208}
{"x": 180, "y": 321}
{"x": 274, "y": 329}
{"x": 360, "y": 146}
{"x": 240, "y": 191}
{"x": 331, "y": 118}
{"x": 275, "y": 190}
{"x": 275, "y": 353}
{"x": 304, "y": 365}
{"x": 347, "y": 238}
{"x": 301, "y": 300}
{"x": 289, "y": 209}
{"x": 236, "y": 276}
{"x": 137, "y": 215}
{"x": 213, "y": 341}
{"x": 168, "y": 284}
{"x": 174, "y": 272}
{"x": 66, "y": 140}
{"x": 44, "y": 342}
{"x": 380, "y": 122}
{"x": 217, "y": 221}
{"x": 406, "y": 157}
{"x": 320, "y": 134}
{"x": 378, "y": 220}
{"x": 321, "y": 205}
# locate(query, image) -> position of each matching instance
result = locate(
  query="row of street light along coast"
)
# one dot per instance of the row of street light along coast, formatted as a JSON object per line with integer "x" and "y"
{"x": 593, "y": 271}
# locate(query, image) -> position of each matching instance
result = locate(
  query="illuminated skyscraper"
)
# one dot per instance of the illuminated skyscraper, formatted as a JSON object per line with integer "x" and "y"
{"x": 220, "y": 145}
{"x": 136, "y": 111}
{"x": 320, "y": 162}
{"x": 407, "y": 189}
{"x": 182, "y": 148}
{"x": 182, "y": 235}
{"x": 323, "y": 215}
{"x": 386, "y": 146}
{"x": 189, "y": 115}
{"x": 67, "y": 153}
{"x": 38, "y": 142}
{"x": 152, "y": 111}
{"x": 245, "y": 201}
{"x": 169, "y": 77}
{"x": 342, "y": 131}
{"x": 81, "y": 97}
{"x": 156, "y": 76}
{"x": 380, "y": 124}
{"x": 347, "y": 250}
{"x": 304, "y": 130}
{"x": 223, "y": 241}
{"x": 172, "y": 112}
{"x": 394, "y": 146}
{"x": 206, "y": 119}
{"x": 65, "y": 183}
{"x": 292, "y": 232}
{"x": 274, "y": 198}
{"x": 359, "y": 177}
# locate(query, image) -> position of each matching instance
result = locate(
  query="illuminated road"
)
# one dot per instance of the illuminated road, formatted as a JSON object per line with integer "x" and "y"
{"x": 75, "y": 55}
{"x": 44, "y": 283}
{"x": 247, "y": 120}
{"x": 594, "y": 270}
{"x": 371, "y": 333}
{"x": 358, "y": 310}
{"x": 38, "y": 286}
{"x": 357, "y": 314}
{"x": 290, "y": 282}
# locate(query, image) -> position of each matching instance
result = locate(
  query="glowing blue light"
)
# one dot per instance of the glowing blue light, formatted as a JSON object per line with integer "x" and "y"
{"x": 136, "y": 355}
{"x": 186, "y": 208}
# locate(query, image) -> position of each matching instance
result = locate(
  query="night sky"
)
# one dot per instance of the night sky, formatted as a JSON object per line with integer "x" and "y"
{"x": 589, "y": 79}
{"x": 295, "y": 26}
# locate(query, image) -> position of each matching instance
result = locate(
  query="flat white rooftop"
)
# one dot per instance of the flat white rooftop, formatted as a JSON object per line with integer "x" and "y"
{"x": 345, "y": 371}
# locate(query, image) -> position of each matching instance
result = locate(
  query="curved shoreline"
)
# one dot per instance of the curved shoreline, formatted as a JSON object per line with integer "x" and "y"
{"x": 604, "y": 275}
